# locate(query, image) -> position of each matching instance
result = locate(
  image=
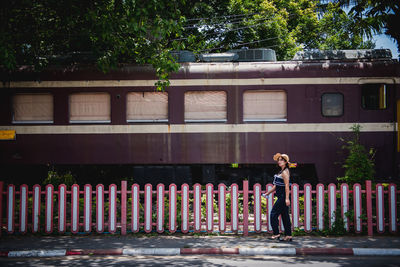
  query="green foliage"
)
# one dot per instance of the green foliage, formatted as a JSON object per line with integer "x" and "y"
{"x": 359, "y": 164}
{"x": 286, "y": 26}
{"x": 229, "y": 204}
{"x": 114, "y": 32}
{"x": 378, "y": 16}
{"x": 56, "y": 179}
{"x": 109, "y": 32}
{"x": 204, "y": 206}
{"x": 234, "y": 24}
{"x": 339, "y": 30}
{"x": 337, "y": 228}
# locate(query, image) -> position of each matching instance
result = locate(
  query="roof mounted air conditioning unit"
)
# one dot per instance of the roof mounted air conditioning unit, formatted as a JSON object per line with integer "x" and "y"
{"x": 255, "y": 54}
{"x": 218, "y": 57}
{"x": 183, "y": 56}
{"x": 343, "y": 54}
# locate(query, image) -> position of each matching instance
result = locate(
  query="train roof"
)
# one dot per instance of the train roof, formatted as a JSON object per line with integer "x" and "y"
{"x": 346, "y": 63}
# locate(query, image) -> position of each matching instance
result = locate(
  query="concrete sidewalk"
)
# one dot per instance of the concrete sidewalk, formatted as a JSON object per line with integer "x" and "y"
{"x": 41, "y": 246}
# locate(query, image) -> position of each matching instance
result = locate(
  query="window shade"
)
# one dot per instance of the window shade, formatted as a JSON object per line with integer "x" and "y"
{"x": 33, "y": 107}
{"x": 205, "y": 105}
{"x": 147, "y": 106}
{"x": 264, "y": 105}
{"x": 90, "y": 107}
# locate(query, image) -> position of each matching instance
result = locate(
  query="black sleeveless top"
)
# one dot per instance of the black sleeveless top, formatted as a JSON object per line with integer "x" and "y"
{"x": 280, "y": 184}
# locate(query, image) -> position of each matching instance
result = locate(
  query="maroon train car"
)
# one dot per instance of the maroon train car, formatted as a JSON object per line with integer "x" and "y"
{"x": 212, "y": 115}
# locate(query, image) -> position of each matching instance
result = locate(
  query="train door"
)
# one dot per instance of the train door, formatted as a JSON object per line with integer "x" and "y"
{"x": 397, "y": 128}
{"x": 398, "y": 125}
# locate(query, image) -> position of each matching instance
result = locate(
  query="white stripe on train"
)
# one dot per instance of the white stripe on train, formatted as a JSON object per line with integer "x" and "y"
{"x": 203, "y": 82}
{"x": 199, "y": 128}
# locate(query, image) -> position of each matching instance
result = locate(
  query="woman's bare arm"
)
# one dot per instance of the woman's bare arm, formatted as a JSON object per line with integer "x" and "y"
{"x": 271, "y": 190}
{"x": 285, "y": 176}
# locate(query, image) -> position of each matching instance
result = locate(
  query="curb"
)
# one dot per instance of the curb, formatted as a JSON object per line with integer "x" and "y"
{"x": 205, "y": 251}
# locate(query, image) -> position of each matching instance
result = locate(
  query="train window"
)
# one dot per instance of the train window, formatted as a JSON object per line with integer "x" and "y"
{"x": 205, "y": 106}
{"x": 33, "y": 108}
{"x": 332, "y": 104}
{"x": 264, "y": 105}
{"x": 374, "y": 96}
{"x": 90, "y": 108}
{"x": 147, "y": 106}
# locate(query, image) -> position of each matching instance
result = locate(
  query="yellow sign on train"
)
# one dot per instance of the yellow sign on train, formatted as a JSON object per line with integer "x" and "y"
{"x": 7, "y": 134}
{"x": 292, "y": 165}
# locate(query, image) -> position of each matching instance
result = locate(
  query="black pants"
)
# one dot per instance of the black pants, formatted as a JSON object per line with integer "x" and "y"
{"x": 280, "y": 208}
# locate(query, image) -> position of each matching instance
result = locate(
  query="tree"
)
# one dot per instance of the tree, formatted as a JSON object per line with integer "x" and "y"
{"x": 339, "y": 31}
{"x": 111, "y": 32}
{"x": 107, "y": 32}
{"x": 279, "y": 24}
{"x": 359, "y": 164}
{"x": 286, "y": 26}
{"x": 374, "y": 16}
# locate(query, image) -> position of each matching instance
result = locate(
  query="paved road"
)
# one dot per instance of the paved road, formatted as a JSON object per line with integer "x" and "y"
{"x": 212, "y": 261}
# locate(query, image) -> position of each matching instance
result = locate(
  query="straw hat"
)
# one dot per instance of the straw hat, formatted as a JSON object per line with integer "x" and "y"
{"x": 278, "y": 155}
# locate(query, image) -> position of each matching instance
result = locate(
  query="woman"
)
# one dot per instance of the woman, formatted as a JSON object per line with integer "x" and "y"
{"x": 281, "y": 206}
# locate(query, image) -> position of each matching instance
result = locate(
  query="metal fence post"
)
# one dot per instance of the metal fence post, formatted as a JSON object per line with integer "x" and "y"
{"x": 245, "y": 208}
{"x": 123, "y": 207}
{"x": 368, "y": 193}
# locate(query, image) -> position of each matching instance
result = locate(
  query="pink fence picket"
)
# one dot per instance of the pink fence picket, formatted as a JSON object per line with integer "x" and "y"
{"x": 257, "y": 207}
{"x": 295, "y": 206}
{"x": 344, "y": 192}
{"x": 87, "y": 207}
{"x": 75, "y": 209}
{"x": 380, "y": 211}
{"x": 392, "y": 208}
{"x": 357, "y": 207}
{"x": 135, "y": 208}
{"x": 62, "y": 208}
{"x": 49, "y": 209}
{"x": 270, "y": 203}
{"x": 147, "y": 208}
{"x": 185, "y": 208}
{"x": 320, "y": 206}
{"x": 307, "y": 208}
{"x": 23, "y": 211}
{"x": 197, "y": 207}
{"x": 235, "y": 207}
{"x": 10, "y": 208}
{"x": 172, "y": 208}
{"x": 332, "y": 204}
{"x": 160, "y": 208}
{"x": 222, "y": 207}
{"x": 36, "y": 208}
{"x": 100, "y": 208}
{"x": 112, "y": 208}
